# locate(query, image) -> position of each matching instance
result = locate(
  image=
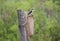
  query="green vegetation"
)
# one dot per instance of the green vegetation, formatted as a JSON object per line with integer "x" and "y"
{"x": 46, "y": 16}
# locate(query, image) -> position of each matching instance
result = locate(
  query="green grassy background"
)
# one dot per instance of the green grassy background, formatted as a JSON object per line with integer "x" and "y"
{"x": 47, "y": 22}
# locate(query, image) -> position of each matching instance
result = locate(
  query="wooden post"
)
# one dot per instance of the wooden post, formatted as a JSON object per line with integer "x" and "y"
{"x": 22, "y": 18}
{"x": 26, "y": 24}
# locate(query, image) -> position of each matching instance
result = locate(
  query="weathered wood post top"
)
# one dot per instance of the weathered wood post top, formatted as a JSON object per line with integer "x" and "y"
{"x": 26, "y": 25}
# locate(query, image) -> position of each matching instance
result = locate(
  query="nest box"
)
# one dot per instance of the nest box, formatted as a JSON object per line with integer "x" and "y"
{"x": 30, "y": 25}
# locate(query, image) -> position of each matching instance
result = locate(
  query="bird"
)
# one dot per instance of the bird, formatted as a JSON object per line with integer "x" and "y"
{"x": 31, "y": 11}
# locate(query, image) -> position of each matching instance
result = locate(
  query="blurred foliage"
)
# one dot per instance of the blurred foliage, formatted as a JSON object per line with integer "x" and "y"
{"x": 46, "y": 17}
